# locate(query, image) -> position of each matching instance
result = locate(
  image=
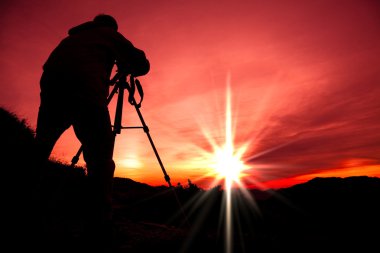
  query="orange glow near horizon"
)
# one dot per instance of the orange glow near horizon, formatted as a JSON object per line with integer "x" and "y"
{"x": 367, "y": 170}
{"x": 135, "y": 168}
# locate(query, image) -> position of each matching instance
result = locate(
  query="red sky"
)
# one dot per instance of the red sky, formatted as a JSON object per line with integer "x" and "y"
{"x": 304, "y": 79}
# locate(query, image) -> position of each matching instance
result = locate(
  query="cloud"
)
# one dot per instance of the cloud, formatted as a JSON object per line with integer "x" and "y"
{"x": 339, "y": 124}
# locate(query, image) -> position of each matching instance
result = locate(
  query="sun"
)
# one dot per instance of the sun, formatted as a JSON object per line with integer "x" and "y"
{"x": 227, "y": 164}
{"x": 227, "y": 161}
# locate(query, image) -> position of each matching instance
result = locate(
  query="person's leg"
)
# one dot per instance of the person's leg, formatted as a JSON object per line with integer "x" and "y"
{"x": 54, "y": 115}
{"x": 52, "y": 121}
{"x": 92, "y": 126}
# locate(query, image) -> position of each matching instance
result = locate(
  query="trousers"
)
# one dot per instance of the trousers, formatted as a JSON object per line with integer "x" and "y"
{"x": 92, "y": 127}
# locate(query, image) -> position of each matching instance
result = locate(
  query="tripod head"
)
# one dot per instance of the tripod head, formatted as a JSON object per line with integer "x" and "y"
{"x": 120, "y": 79}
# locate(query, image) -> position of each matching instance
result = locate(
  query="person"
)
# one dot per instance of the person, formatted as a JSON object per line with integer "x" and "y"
{"x": 74, "y": 87}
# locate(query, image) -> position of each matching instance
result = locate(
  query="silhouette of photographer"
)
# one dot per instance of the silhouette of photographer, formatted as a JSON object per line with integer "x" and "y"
{"x": 74, "y": 88}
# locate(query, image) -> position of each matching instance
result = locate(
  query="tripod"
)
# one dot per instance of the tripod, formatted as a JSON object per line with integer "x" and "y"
{"x": 120, "y": 84}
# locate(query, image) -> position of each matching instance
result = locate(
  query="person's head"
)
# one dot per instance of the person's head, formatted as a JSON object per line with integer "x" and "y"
{"x": 106, "y": 20}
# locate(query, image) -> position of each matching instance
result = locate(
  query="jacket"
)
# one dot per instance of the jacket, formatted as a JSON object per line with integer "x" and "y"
{"x": 80, "y": 66}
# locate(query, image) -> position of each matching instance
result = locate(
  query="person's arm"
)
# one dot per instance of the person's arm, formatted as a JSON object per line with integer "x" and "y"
{"x": 131, "y": 59}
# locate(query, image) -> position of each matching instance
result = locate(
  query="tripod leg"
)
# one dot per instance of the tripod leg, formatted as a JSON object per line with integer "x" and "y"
{"x": 166, "y": 176}
{"x": 119, "y": 111}
{"x": 76, "y": 157}
{"x": 146, "y": 130}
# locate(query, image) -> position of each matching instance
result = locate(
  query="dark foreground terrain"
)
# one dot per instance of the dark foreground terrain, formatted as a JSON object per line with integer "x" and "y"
{"x": 322, "y": 215}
